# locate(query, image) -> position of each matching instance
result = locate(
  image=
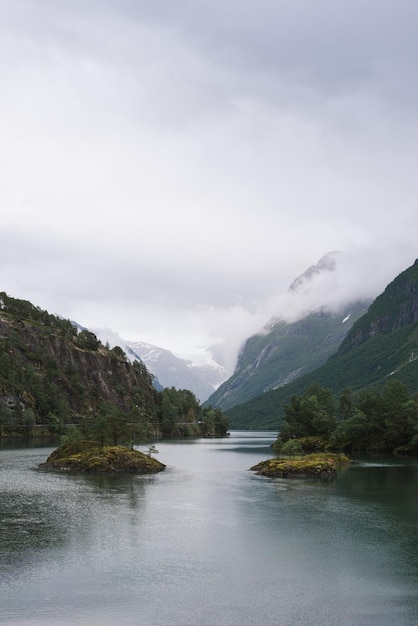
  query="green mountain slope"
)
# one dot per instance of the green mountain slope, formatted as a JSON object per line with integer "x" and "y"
{"x": 382, "y": 344}
{"x": 285, "y": 352}
{"x": 53, "y": 377}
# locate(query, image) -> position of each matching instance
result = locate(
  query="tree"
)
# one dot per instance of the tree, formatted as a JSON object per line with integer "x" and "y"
{"x": 310, "y": 415}
{"x": 214, "y": 422}
{"x": 137, "y": 425}
{"x": 346, "y": 404}
{"x": 87, "y": 340}
{"x": 377, "y": 419}
{"x": 398, "y": 429}
{"x": 118, "y": 352}
{"x": 110, "y": 424}
{"x": 169, "y": 412}
{"x": 370, "y": 403}
{"x": 354, "y": 433}
{"x": 411, "y": 410}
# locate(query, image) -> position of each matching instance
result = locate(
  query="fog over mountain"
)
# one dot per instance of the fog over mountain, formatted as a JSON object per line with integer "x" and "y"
{"x": 332, "y": 284}
{"x": 169, "y": 168}
{"x": 335, "y": 281}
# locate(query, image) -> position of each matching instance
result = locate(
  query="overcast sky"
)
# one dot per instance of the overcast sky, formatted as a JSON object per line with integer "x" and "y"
{"x": 168, "y": 168}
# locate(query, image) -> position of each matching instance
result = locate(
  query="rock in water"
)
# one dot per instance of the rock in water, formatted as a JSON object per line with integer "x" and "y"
{"x": 89, "y": 456}
{"x": 320, "y": 466}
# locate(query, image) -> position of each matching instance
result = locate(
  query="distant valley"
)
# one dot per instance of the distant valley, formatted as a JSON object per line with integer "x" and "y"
{"x": 168, "y": 369}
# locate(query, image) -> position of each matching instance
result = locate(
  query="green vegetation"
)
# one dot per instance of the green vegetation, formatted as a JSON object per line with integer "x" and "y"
{"x": 181, "y": 415}
{"x": 381, "y": 345}
{"x": 90, "y": 456}
{"x": 315, "y": 466}
{"x": 372, "y": 363}
{"x": 316, "y": 431}
{"x": 285, "y": 352}
{"x": 311, "y": 415}
{"x": 88, "y": 341}
{"x": 373, "y": 420}
{"x": 57, "y": 381}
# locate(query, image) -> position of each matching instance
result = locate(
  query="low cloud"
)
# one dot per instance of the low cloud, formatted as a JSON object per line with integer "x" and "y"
{"x": 168, "y": 171}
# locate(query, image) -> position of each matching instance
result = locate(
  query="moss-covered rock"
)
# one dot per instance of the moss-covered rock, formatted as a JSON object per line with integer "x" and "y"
{"x": 320, "y": 466}
{"x": 89, "y": 456}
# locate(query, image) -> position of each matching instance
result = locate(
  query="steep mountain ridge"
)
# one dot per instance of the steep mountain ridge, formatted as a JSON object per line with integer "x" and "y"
{"x": 327, "y": 263}
{"x": 50, "y": 374}
{"x": 283, "y": 351}
{"x": 56, "y": 379}
{"x": 394, "y": 309}
{"x": 172, "y": 371}
{"x": 383, "y": 343}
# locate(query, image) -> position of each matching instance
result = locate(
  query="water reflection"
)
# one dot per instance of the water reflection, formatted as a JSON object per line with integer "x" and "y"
{"x": 207, "y": 542}
{"x": 393, "y": 487}
{"x": 16, "y": 443}
{"x": 44, "y": 514}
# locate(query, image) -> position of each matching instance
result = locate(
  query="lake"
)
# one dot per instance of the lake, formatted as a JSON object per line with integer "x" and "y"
{"x": 206, "y": 542}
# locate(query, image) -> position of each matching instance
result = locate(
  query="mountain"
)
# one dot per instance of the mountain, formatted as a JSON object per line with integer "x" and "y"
{"x": 56, "y": 376}
{"x": 133, "y": 356}
{"x": 284, "y": 351}
{"x": 172, "y": 371}
{"x": 327, "y": 263}
{"x": 382, "y": 344}
{"x": 168, "y": 370}
{"x": 51, "y": 374}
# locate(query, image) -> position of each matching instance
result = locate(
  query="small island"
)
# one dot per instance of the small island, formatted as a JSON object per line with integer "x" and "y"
{"x": 90, "y": 456}
{"x": 317, "y": 466}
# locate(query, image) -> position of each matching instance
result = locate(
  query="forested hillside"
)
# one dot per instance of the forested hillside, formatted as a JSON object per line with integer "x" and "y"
{"x": 284, "y": 352}
{"x": 53, "y": 378}
{"x": 382, "y": 345}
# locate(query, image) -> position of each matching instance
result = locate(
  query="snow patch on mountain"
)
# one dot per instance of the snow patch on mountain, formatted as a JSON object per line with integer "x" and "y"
{"x": 169, "y": 370}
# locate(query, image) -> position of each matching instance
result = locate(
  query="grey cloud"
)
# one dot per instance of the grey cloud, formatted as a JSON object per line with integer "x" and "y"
{"x": 327, "y": 44}
{"x": 169, "y": 168}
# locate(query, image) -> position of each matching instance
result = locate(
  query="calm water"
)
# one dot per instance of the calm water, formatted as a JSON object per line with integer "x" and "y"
{"x": 206, "y": 542}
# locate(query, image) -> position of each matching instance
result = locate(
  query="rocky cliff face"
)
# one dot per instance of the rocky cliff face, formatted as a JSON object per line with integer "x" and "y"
{"x": 48, "y": 371}
{"x": 98, "y": 371}
{"x": 394, "y": 309}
